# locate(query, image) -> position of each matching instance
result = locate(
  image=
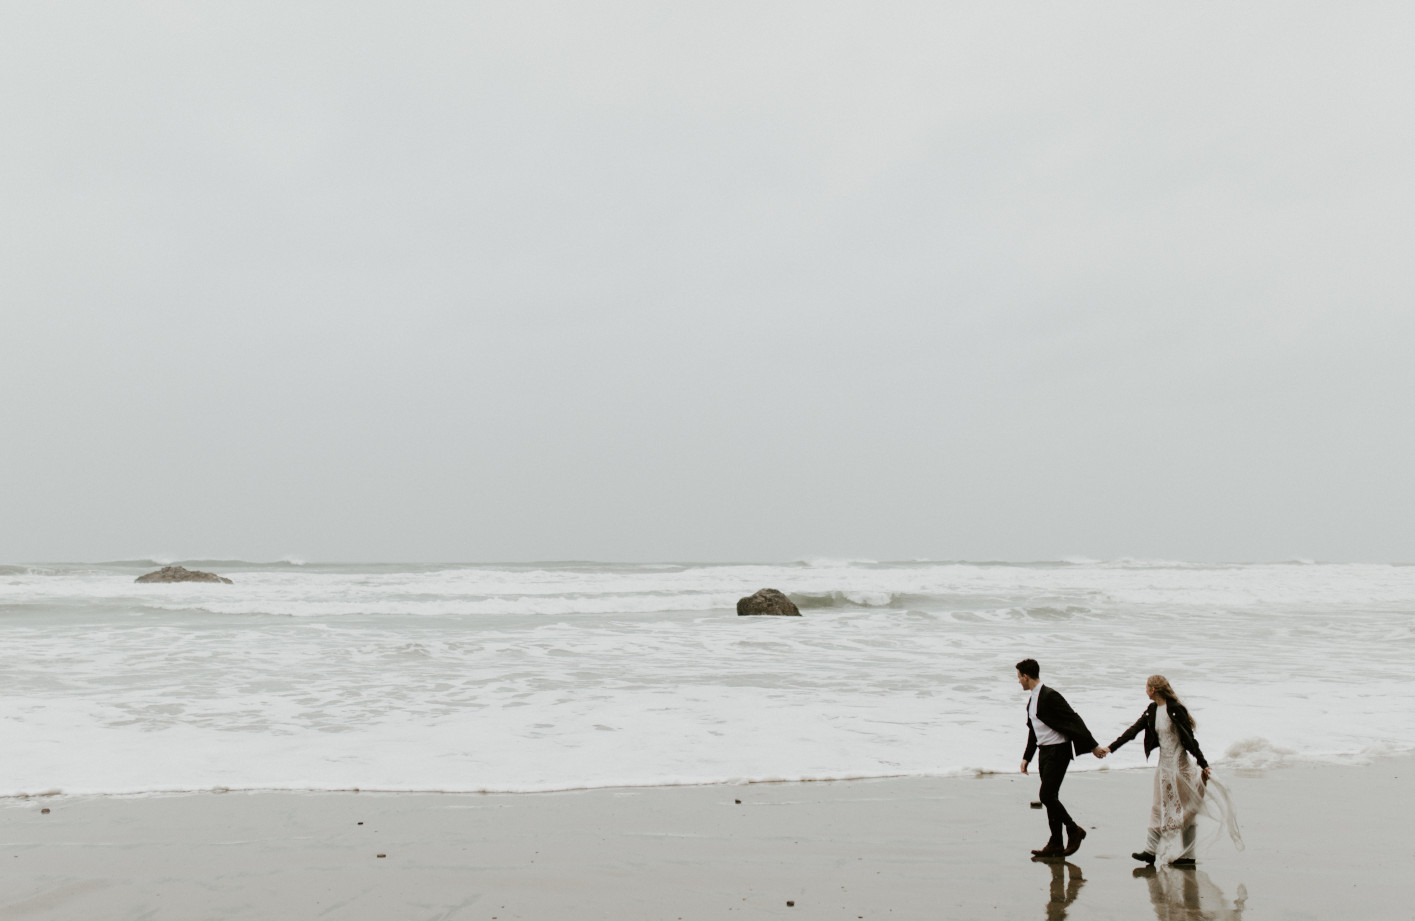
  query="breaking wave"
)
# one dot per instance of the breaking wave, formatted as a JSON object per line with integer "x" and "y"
{"x": 569, "y": 675}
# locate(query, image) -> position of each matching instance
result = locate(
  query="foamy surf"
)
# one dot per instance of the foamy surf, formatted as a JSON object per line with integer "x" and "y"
{"x": 536, "y": 677}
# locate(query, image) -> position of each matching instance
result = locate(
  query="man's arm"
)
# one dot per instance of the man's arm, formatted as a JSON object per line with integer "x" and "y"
{"x": 1066, "y": 721}
{"x": 1031, "y": 746}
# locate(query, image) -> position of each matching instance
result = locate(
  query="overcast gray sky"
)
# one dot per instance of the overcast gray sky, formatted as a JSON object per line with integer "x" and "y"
{"x": 727, "y": 281}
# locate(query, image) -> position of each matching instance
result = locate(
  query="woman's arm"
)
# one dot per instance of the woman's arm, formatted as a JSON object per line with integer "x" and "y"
{"x": 1132, "y": 732}
{"x": 1186, "y": 738}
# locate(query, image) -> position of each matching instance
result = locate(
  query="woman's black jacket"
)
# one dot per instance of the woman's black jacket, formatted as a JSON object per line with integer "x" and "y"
{"x": 1178, "y": 716}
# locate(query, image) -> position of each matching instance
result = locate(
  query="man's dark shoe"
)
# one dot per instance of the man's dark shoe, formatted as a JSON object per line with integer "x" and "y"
{"x": 1074, "y": 836}
{"x": 1145, "y": 857}
{"x": 1052, "y": 849}
{"x": 1182, "y": 862}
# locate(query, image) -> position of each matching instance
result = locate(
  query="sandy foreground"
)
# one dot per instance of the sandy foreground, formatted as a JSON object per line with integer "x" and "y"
{"x": 1323, "y": 842}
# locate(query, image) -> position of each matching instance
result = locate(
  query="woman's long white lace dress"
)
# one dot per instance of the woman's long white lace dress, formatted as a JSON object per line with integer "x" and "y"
{"x": 1181, "y": 796}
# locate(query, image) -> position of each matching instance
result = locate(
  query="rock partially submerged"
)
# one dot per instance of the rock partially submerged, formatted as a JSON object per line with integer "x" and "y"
{"x": 181, "y": 574}
{"x": 769, "y": 602}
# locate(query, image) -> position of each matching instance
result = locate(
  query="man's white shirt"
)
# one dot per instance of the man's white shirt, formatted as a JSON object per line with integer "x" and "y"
{"x": 1045, "y": 734}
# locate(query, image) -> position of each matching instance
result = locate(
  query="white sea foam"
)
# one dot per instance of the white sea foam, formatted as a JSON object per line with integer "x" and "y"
{"x": 538, "y": 677}
{"x": 1257, "y": 752}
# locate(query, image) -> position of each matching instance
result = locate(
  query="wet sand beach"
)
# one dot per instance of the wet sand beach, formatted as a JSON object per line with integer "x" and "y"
{"x": 1322, "y": 842}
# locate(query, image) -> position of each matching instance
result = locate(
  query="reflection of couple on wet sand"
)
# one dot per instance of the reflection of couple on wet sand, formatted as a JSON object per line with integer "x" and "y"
{"x": 1184, "y": 788}
{"x": 1176, "y": 894}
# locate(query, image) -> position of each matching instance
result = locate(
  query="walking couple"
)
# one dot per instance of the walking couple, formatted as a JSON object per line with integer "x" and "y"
{"x": 1182, "y": 791}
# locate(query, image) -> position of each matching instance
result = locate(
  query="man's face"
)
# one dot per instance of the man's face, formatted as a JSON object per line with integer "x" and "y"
{"x": 1025, "y": 681}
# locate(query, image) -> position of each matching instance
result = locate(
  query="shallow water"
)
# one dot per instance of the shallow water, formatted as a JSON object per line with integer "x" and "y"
{"x": 553, "y": 676}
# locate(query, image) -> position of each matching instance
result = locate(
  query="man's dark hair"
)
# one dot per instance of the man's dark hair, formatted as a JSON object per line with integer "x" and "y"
{"x": 1030, "y": 668}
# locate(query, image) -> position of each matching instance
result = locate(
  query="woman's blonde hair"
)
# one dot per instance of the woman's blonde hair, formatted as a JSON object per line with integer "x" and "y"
{"x": 1160, "y": 685}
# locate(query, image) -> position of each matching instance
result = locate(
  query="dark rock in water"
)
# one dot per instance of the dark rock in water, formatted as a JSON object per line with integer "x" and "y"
{"x": 767, "y": 601}
{"x": 180, "y": 574}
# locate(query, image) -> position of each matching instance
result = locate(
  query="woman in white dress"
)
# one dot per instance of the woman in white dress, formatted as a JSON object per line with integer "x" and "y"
{"x": 1184, "y": 788}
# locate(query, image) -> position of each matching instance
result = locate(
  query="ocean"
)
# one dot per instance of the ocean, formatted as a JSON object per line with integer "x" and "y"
{"x": 554, "y": 676}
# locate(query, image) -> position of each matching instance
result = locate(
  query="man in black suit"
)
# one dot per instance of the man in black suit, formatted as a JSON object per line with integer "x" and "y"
{"x": 1053, "y": 732}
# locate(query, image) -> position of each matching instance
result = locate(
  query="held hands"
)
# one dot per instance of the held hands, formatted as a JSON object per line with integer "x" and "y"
{"x": 1207, "y": 772}
{"x": 1100, "y": 751}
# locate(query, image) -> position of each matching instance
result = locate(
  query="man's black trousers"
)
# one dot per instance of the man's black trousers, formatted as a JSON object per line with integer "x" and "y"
{"x": 1052, "y": 762}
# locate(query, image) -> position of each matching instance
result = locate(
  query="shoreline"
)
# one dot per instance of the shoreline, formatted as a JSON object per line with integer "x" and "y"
{"x": 1081, "y": 766}
{"x": 1322, "y": 840}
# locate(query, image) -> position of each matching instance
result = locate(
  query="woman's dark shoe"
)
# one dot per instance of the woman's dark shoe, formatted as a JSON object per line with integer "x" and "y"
{"x": 1145, "y": 857}
{"x": 1052, "y": 849}
{"x": 1182, "y": 862}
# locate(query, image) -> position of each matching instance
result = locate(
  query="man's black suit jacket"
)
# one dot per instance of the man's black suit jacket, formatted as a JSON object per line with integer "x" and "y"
{"x": 1053, "y": 710}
